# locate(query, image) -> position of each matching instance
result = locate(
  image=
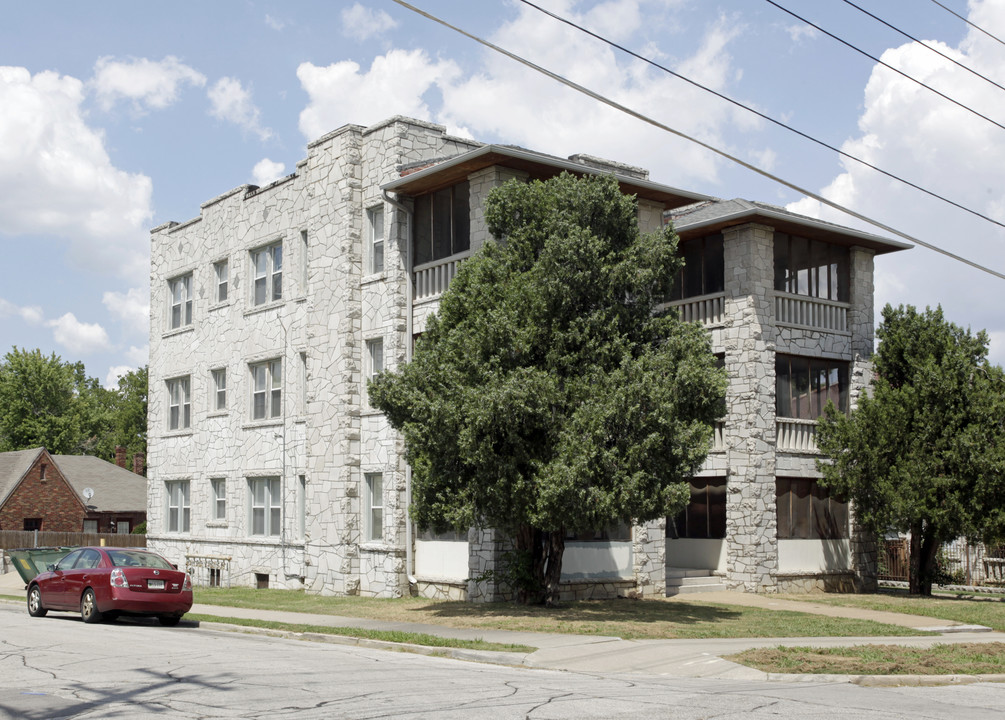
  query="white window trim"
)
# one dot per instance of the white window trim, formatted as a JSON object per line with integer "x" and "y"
{"x": 182, "y": 504}
{"x": 218, "y": 488}
{"x": 376, "y": 242}
{"x": 271, "y": 501}
{"x": 273, "y": 404}
{"x": 221, "y": 281}
{"x": 183, "y": 302}
{"x": 183, "y": 403}
{"x": 269, "y": 274}
{"x": 374, "y": 506}
{"x": 218, "y": 392}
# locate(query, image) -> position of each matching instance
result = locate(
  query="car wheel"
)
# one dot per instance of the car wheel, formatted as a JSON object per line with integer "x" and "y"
{"x": 168, "y": 620}
{"x": 89, "y": 607}
{"x": 35, "y": 608}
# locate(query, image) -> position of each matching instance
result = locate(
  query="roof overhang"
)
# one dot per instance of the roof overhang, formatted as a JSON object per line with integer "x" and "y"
{"x": 537, "y": 166}
{"x": 792, "y": 224}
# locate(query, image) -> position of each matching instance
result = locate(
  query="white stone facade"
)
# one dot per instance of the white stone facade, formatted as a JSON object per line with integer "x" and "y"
{"x": 283, "y": 475}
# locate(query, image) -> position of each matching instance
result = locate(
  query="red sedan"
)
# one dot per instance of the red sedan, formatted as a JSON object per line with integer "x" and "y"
{"x": 105, "y": 582}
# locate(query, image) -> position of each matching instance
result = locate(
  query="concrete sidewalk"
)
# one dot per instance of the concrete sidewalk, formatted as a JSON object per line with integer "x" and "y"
{"x": 600, "y": 654}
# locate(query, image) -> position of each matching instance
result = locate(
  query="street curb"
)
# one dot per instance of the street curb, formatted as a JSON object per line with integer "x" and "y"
{"x": 887, "y": 680}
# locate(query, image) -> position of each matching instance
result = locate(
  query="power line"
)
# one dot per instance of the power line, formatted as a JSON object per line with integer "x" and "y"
{"x": 967, "y": 21}
{"x": 770, "y": 119}
{"x": 924, "y": 44}
{"x": 722, "y": 153}
{"x": 885, "y": 64}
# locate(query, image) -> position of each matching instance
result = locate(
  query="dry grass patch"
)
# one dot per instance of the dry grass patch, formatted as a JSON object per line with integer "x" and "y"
{"x": 630, "y": 619}
{"x": 948, "y": 659}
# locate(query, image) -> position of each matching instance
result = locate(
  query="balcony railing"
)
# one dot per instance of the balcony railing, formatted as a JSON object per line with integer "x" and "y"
{"x": 706, "y": 309}
{"x": 433, "y": 278}
{"x": 811, "y": 312}
{"x": 794, "y": 435}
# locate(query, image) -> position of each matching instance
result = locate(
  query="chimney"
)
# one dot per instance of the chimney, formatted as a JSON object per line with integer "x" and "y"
{"x": 120, "y": 456}
{"x": 138, "y": 468}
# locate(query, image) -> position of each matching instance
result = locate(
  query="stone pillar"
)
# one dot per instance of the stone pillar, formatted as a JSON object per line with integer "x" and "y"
{"x": 480, "y": 184}
{"x": 750, "y": 336}
{"x": 861, "y": 316}
{"x": 649, "y": 558}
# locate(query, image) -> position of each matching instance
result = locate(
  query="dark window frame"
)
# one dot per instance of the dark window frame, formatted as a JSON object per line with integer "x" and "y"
{"x": 442, "y": 224}
{"x": 803, "y": 385}
{"x": 704, "y": 518}
{"x": 812, "y": 268}
{"x": 704, "y": 270}
{"x": 805, "y": 510}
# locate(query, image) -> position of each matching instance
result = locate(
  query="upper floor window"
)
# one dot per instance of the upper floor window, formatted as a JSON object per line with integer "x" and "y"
{"x": 704, "y": 270}
{"x": 219, "y": 401}
{"x": 221, "y": 273}
{"x": 267, "y": 390}
{"x": 804, "y": 385}
{"x": 374, "y": 520}
{"x": 811, "y": 267}
{"x": 442, "y": 224}
{"x": 375, "y": 217}
{"x": 807, "y": 511}
{"x": 180, "y": 289}
{"x": 374, "y": 359}
{"x": 267, "y": 271}
{"x": 179, "y": 403}
{"x": 219, "y": 507}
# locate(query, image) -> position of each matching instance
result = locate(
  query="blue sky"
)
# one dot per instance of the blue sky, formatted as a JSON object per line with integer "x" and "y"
{"x": 118, "y": 116}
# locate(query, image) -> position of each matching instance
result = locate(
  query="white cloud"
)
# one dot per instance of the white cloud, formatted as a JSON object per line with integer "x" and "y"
{"x": 266, "y": 171}
{"x": 114, "y": 373}
{"x": 919, "y": 136}
{"x": 132, "y": 308}
{"x": 395, "y": 84}
{"x": 139, "y": 356}
{"x": 149, "y": 84}
{"x": 31, "y": 314}
{"x": 799, "y": 33}
{"x": 362, "y": 23}
{"x": 274, "y": 23}
{"x": 232, "y": 103}
{"x": 56, "y": 177}
{"x": 79, "y": 337}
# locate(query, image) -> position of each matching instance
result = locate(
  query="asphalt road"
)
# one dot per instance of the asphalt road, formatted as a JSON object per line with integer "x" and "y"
{"x": 58, "y": 667}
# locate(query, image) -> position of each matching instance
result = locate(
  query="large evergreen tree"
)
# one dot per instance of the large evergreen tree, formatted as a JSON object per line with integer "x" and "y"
{"x": 925, "y": 453}
{"x": 548, "y": 395}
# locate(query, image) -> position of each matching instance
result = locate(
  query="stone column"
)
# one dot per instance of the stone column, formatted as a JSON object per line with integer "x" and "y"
{"x": 750, "y": 336}
{"x": 649, "y": 558}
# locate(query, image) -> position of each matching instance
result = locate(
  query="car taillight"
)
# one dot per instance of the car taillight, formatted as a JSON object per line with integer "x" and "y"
{"x": 118, "y": 578}
{"x": 188, "y": 583}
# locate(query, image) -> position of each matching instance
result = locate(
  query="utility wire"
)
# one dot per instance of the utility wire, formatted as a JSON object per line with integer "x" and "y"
{"x": 886, "y": 65}
{"x": 967, "y": 21}
{"x": 722, "y": 153}
{"x": 770, "y": 119}
{"x": 935, "y": 50}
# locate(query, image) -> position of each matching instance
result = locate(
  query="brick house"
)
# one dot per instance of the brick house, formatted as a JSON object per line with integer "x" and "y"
{"x": 68, "y": 493}
{"x": 271, "y": 309}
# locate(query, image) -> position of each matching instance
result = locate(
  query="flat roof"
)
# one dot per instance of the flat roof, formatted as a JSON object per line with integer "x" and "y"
{"x": 538, "y": 166}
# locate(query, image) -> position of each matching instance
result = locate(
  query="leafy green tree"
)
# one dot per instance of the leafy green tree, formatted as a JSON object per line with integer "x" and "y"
{"x": 925, "y": 453}
{"x": 40, "y": 403}
{"x": 548, "y": 395}
{"x": 119, "y": 416}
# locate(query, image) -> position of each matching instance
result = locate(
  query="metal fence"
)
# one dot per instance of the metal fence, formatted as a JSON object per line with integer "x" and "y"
{"x": 959, "y": 562}
{"x": 11, "y": 539}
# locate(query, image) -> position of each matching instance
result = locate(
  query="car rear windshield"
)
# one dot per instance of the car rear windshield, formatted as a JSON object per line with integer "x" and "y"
{"x": 137, "y": 558}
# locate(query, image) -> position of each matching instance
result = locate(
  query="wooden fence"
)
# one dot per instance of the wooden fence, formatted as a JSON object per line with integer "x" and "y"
{"x": 14, "y": 539}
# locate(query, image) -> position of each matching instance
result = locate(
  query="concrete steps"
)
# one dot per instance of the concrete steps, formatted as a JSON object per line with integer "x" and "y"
{"x": 686, "y": 580}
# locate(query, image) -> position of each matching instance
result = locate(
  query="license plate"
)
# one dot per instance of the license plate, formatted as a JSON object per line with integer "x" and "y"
{"x": 155, "y": 584}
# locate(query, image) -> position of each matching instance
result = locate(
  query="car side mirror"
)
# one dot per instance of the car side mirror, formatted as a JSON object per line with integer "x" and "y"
{"x": 50, "y": 567}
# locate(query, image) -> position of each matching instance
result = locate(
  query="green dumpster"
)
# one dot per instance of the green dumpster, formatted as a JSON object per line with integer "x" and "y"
{"x": 29, "y": 562}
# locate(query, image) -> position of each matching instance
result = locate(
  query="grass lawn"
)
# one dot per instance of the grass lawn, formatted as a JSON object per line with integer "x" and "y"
{"x": 961, "y": 607}
{"x": 951, "y": 659}
{"x": 629, "y": 619}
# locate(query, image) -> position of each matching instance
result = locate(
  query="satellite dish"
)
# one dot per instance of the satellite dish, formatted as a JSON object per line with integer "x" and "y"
{"x": 88, "y": 493}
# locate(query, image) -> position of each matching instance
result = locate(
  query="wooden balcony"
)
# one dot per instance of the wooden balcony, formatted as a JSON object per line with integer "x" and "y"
{"x": 813, "y": 313}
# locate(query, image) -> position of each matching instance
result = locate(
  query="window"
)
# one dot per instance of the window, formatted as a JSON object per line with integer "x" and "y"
{"x": 266, "y": 513}
{"x": 806, "y": 511}
{"x": 302, "y": 506}
{"x": 704, "y": 271}
{"x": 122, "y": 526}
{"x": 442, "y": 224}
{"x": 374, "y": 359}
{"x": 376, "y": 218}
{"x": 267, "y": 390}
{"x": 178, "y": 509}
{"x": 180, "y": 289}
{"x": 90, "y": 526}
{"x": 219, "y": 401}
{"x": 804, "y": 385}
{"x": 179, "y": 404}
{"x": 267, "y": 271}
{"x": 705, "y": 515}
{"x": 375, "y": 506}
{"x": 68, "y": 561}
{"x": 303, "y": 383}
{"x": 31, "y": 524}
{"x": 811, "y": 267}
{"x": 221, "y": 271}
{"x": 304, "y": 262}
{"x": 219, "y": 509}
{"x": 41, "y": 471}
